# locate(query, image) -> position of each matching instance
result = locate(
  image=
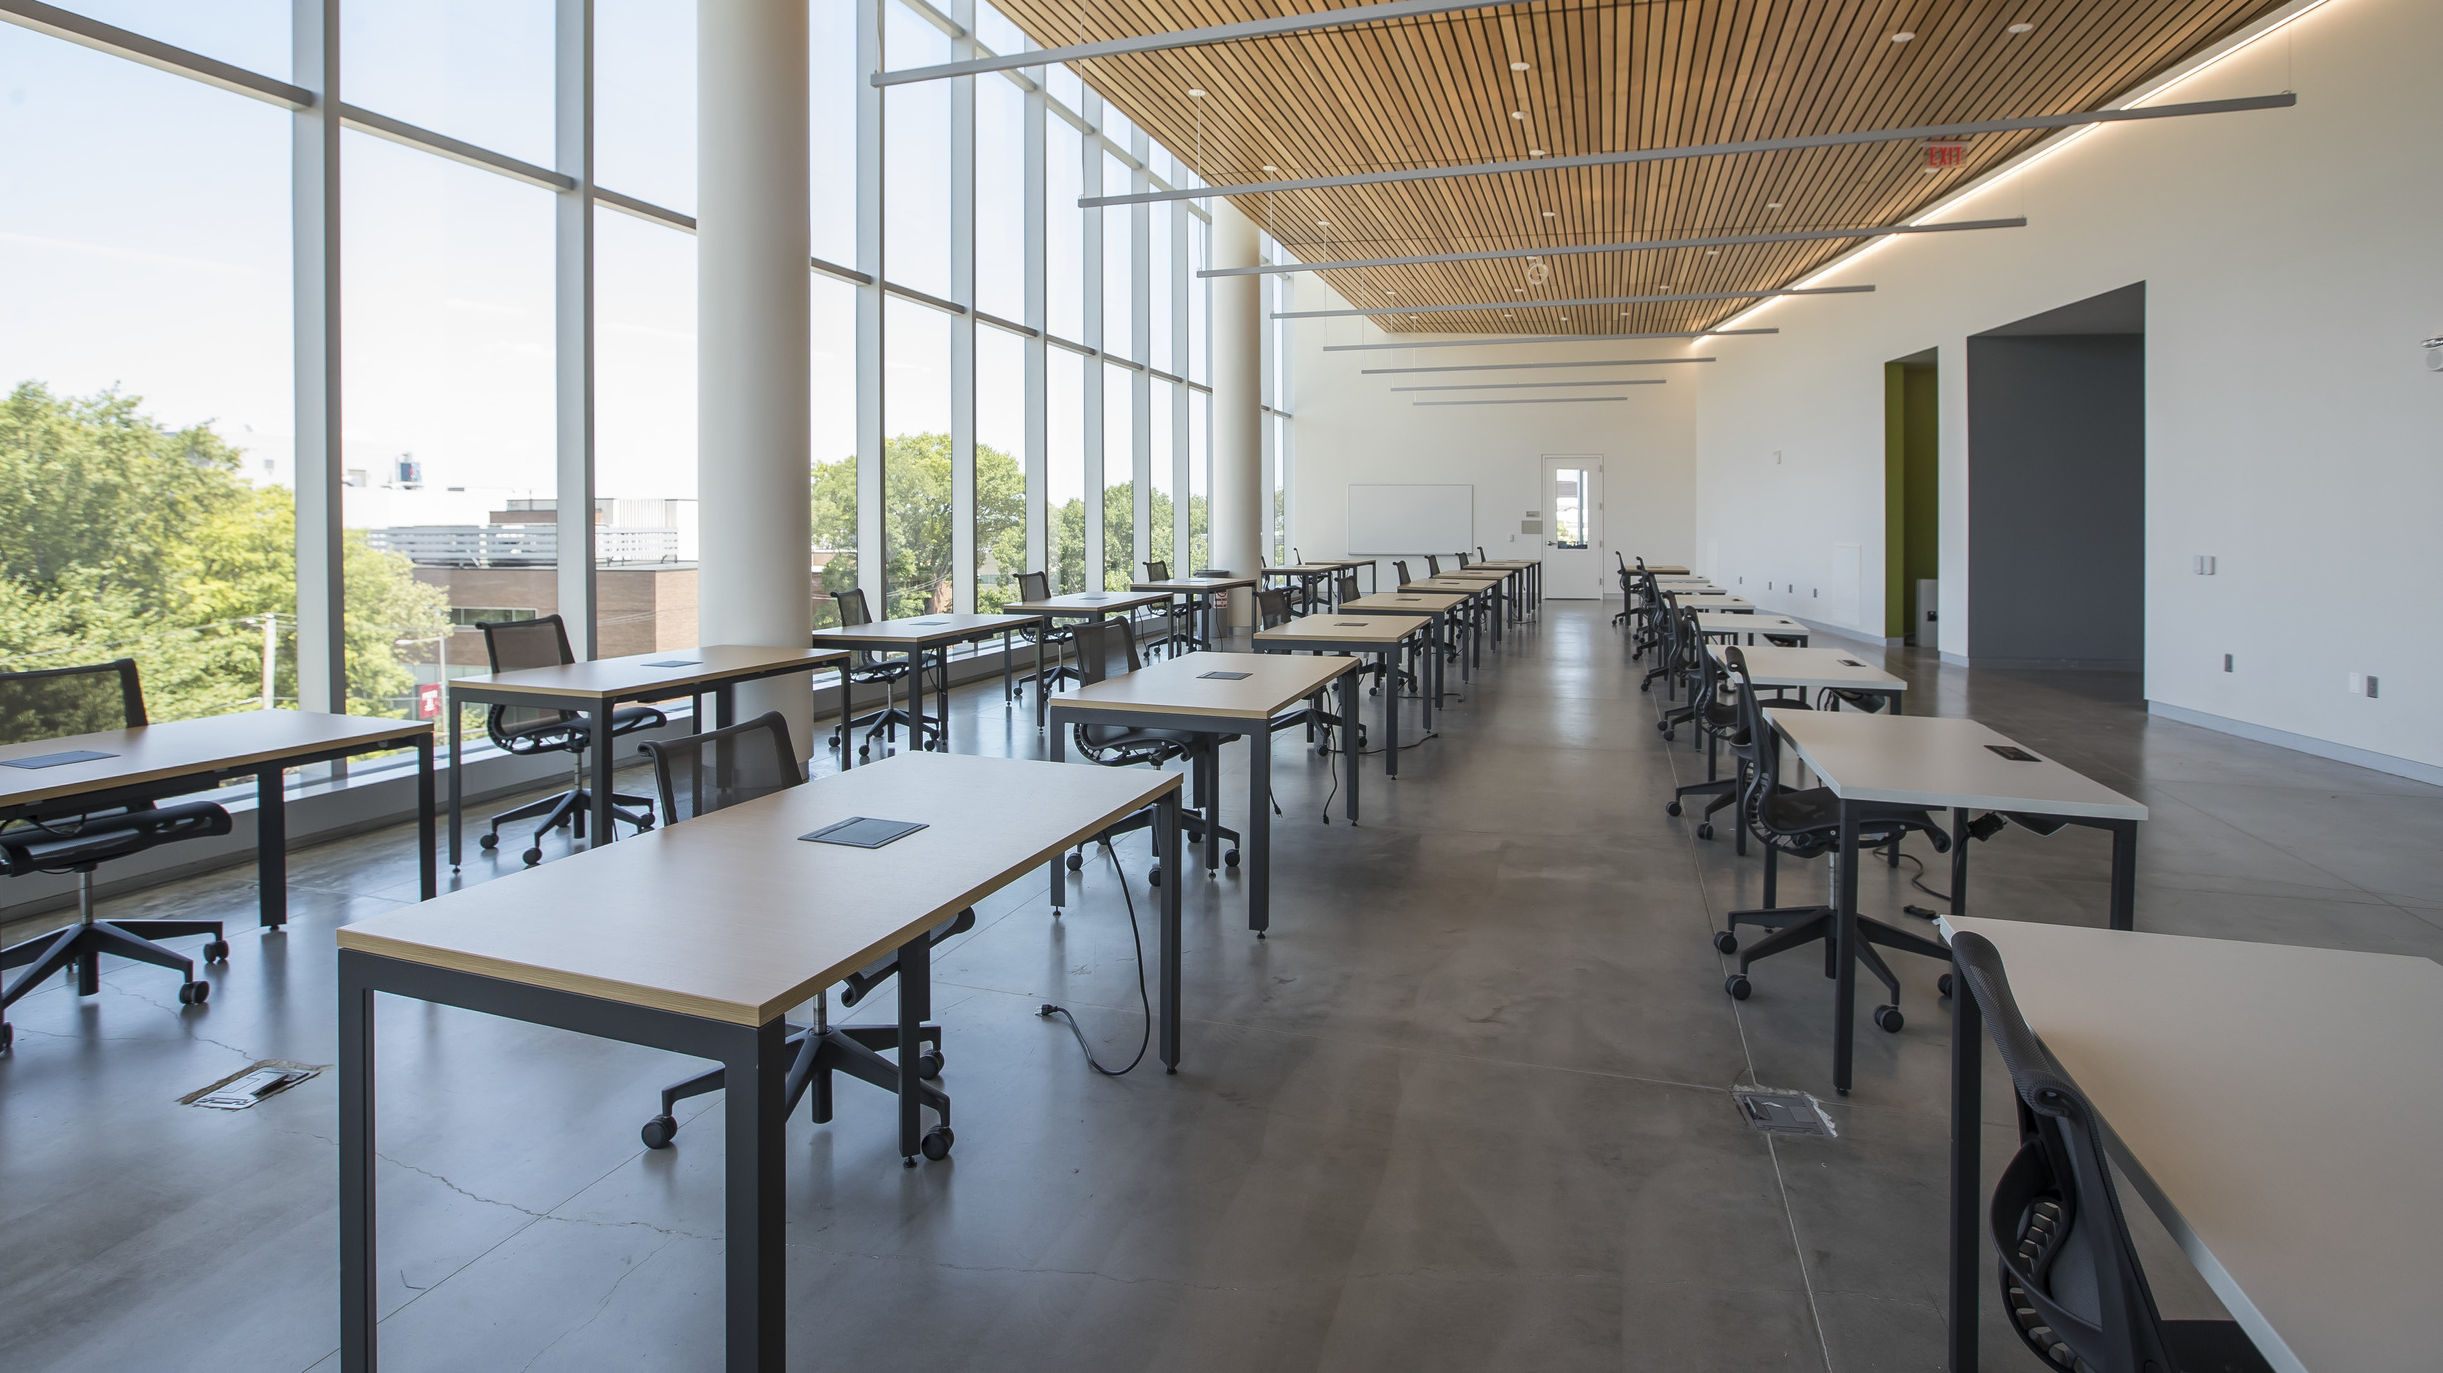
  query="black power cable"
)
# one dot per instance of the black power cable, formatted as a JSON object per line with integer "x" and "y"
{"x": 1048, "y": 1010}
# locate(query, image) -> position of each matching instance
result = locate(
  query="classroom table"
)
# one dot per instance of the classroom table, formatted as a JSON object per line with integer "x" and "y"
{"x": 1472, "y": 617}
{"x": 1077, "y": 605}
{"x": 1384, "y": 636}
{"x": 1373, "y": 573}
{"x": 179, "y": 757}
{"x": 1306, "y": 575}
{"x": 1660, "y": 569}
{"x": 915, "y": 636}
{"x": 1532, "y": 573}
{"x": 1505, "y": 594}
{"x": 593, "y": 688}
{"x": 1201, "y": 594}
{"x": 1182, "y": 694}
{"x": 2275, "y": 1107}
{"x": 1436, "y": 607}
{"x": 1816, "y": 669}
{"x": 1734, "y": 623}
{"x": 1939, "y": 763}
{"x": 699, "y": 939}
{"x": 1488, "y": 588}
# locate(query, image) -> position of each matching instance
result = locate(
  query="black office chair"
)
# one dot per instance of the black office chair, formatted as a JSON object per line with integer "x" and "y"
{"x": 79, "y": 834}
{"x": 1628, "y": 598}
{"x": 515, "y": 645}
{"x": 2068, "y": 1268}
{"x": 1106, "y": 650}
{"x": 866, "y": 667}
{"x": 1807, "y": 824}
{"x": 1037, "y": 586}
{"x": 1717, "y": 717}
{"x": 1433, "y": 565}
{"x": 1669, "y": 650}
{"x": 1316, "y": 717}
{"x": 698, "y": 774}
{"x": 1462, "y": 557}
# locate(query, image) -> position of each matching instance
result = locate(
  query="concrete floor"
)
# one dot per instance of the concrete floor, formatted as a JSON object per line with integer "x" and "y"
{"x": 1466, "y": 1108}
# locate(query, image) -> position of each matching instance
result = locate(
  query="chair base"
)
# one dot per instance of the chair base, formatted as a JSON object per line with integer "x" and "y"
{"x": 857, "y": 1050}
{"x": 1797, "y": 926}
{"x": 570, "y": 808}
{"x": 884, "y": 724}
{"x": 79, "y": 949}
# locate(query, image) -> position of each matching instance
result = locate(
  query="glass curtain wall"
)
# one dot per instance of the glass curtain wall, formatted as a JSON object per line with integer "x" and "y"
{"x": 174, "y": 339}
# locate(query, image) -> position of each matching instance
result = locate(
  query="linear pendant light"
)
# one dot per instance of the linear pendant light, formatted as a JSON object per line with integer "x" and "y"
{"x": 1343, "y": 17}
{"x": 1548, "y": 304}
{"x": 1526, "y": 400}
{"x": 1533, "y": 385}
{"x": 1909, "y": 134}
{"x": 1528, "y": 366}
{"x": 1630, "y": 246}
{"x": 1532, "y": 338}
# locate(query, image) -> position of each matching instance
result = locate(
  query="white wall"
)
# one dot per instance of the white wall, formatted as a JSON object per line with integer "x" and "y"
{"x": 2293, "y": 260}
{"x": 1353, "y": 429}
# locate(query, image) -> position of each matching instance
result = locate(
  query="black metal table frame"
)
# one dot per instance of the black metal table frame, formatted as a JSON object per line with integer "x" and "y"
{"x": 1096, "y": 613}
{"x": 597, "y": 712}
{"x": 1389, "y": 656}
{"x": 755, "y": 1123}
{"x": 1442, "y": 642}
{"x": 915, "y": 654}
{"x": 1205, "y": 769}
{"x": 271, "y": 811}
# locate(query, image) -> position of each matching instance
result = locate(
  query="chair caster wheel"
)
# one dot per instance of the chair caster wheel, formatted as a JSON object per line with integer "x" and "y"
{"x": 937, "y": 1142}
{"x": 1671, "y": 808}
{"x": 1230, "y": 858}
{"x": 864, "y": 752}
{"x": 644, "y": 822}
{"x": 1725, "y": 942}
{"x": 194, "y": 993}
{"x": 1153, "y": 877}
{"x": 659, "y": 1131}
{"x": 1662, "y": 729}
{"x": 1077, "y": 862}
{"x": 1736, "y": 985}
{"x": 929, "y": 1064}
{"x": 217, "y": 951}
{"x": 1888, "y": 1019}
{"x": 1705, "y": 829}
{"x": 1667, "y": 734}
{"x": 488, "y": 843}
{"x": 532, "y": 856}
{"x": 1943, "y": 984}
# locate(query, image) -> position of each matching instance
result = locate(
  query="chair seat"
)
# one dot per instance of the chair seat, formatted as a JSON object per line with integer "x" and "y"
{"x": 67, "y": 843}
{"x": 1814, "y": 816}
{"x": 572, "y": 735}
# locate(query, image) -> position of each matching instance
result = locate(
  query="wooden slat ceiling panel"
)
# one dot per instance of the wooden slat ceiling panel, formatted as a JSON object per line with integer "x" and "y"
{"x": 1610, "y": 75}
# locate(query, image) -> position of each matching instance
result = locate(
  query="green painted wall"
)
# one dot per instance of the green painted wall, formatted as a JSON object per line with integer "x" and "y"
{"x": 1912, "y": 505}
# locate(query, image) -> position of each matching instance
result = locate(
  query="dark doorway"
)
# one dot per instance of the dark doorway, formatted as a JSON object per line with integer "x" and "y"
{"x": 2057, "y": 487}
{"x": 1912, "y": 492}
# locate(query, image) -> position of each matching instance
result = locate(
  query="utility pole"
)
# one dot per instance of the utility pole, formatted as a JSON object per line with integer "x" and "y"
{"x": 271, "y": 655}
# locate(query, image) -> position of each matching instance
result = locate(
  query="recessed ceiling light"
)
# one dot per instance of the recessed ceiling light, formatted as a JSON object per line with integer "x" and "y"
{"x": 1903, "y": 36}
{"x": 1666, "y": 285}
{"x": 1506, "y": 314}
{"x": 1270, "y": 168}
{"x": 1323, "y": 224}
{"x": 1548, "y": 214}
{"x": 1931, "y": 170}
{"x": 1772, "y": 205}
{"x": 1195, "y": 94}
{"x": 2021, "y": 28}
{"x": 1519, "y": 290}
{"x": 1518, "y": 114}
{"x": 1535, "y": 152}
{"x": 1713, "y": 252}
{"x": 1520, "y": 66}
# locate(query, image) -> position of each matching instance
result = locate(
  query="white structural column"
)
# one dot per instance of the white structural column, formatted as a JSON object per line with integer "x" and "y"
{"x": 754, "y": 356}
{"x": 322, "y": 668}
{"x": 1238, "y": 404}
{"x": 963, "y": 324}
{"x": 573, "y": 312}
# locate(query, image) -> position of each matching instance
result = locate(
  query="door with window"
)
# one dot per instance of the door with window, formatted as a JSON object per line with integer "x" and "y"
{"x": 1573, "y": 526}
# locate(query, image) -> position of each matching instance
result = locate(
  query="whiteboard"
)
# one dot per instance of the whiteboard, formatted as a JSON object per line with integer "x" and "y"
{"x": 1405, "y": 518}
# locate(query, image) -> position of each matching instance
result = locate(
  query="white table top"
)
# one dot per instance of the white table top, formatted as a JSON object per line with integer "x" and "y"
{"x": 944, "y": 627}
{"x": 1327, "y": 629}
{"x": 1078, "y": 603}
{"x": 2276, "y": 1107}
{"x": 1748, "y": 622}
{"x": 643, "y": 675}
{"x": 1924, "y": 760}
{"x": 729, "y": 916}
{"x": 1180, "y": 686}
{"x": 1770, "y": 665}
{"x": 1716, "y": 603}
{"x": 179, "y": 748}
{"x": 1407, "y": 603}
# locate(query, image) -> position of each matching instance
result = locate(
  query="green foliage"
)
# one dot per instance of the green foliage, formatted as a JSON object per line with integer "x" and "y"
{"x": 918, "y": 536}
{"x": 120, "y": 538}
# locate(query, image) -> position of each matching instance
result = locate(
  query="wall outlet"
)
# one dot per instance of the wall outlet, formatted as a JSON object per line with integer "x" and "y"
{"x": 1777, "y": 457}
{"x": 1814, "y": 592}
{"x": 2226, "y": 662}
{"x": 2362, "y": 684}
{"x": 2202, "y": 564}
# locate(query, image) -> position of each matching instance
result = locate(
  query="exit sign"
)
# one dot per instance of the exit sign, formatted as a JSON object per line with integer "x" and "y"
{"x": 1945, "y": 153}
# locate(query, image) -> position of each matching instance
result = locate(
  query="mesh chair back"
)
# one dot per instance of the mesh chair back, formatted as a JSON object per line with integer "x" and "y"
{"x": 54, "y": 702}
{"x": 1105, "y": 649}
{"x": 854, "y": 612}
{"x": 2068, "y": 1267}
{"x": 514, "y": 646}
{"x": 1346, "y": 586}
{"x": 1157, "y": 570}
{"x": 1034, "y": 586}
{"x": 1272, "y": 608}
{"x": 1433, "y": 565}
{"x": 1399, "y": 567}
{"x": 1462, "y": 557}
{"x": 702, "y": 773}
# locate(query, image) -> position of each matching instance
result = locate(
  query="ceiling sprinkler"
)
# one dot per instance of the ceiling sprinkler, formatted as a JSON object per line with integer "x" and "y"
{"x": 1538, "y": 271}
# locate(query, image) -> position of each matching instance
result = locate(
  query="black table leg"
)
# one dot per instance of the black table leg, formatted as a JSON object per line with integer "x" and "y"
{"x": 1959, "y": 861}
{"x": 1349, "y": 736}
{"x": 1967, "y": 1179}
{"x": 356, "y": 1154}
{"x": 598, "y": 721}
{"x": 1171, "y": 853}
{"x": 450, "y": 708}
{"x": 1259, "y": 828}
{"x": 754, "y": 1197}
{"x": 1043, "y": 689}
{"x": 1060, "y": 869}
{"x": 271, "y": 844}
{"x": 428, "y": 877}
{"x": 1204, "y": 781}
{"x": 846, "y": 701}
{"x": 1005, "y": 678}
{"x": 2124, "y": 874}
{"x": 915, "y": 1006}
{"x": 725, "y": 705}
{"x": 1845, "y": 952}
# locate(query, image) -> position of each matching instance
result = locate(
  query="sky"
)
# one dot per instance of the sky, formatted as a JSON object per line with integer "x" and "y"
{"x": 144, "y": 239}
